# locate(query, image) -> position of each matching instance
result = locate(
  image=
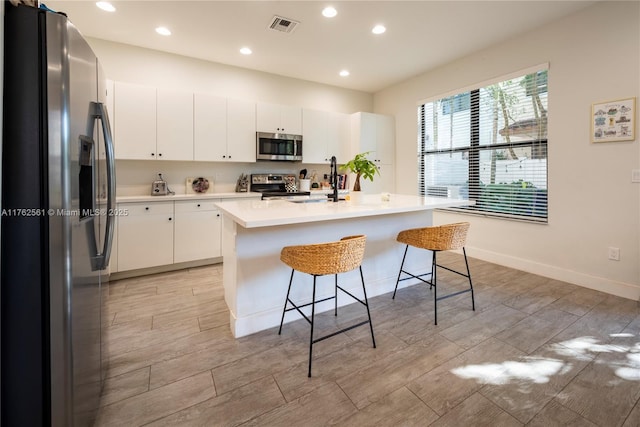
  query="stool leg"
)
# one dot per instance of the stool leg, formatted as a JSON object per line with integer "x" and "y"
{"x": 313, "y": 312}
{"x": 473, "y": 301}
{"x": 286, "y": 301}
{"x": 400, "y": 272}
{"x": 335, "y": 295}
{"x": 435, "y": 287}
{"x": 366, "y": 304}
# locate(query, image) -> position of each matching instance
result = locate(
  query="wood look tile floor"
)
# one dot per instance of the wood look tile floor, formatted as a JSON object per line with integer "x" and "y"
{"x": 536, "y": 352}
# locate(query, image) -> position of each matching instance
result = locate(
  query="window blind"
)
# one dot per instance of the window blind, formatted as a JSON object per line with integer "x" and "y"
{"x": 489, "y": 144}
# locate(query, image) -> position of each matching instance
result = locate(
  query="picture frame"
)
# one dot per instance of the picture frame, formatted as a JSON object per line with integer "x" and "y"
{"x": 613, "y": 120}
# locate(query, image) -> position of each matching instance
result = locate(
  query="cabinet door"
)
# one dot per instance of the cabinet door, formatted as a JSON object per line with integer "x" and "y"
{"x": 210, "y": 127}
{"x": 291, "y": 119}
{"x": 134, "y": 121}
{"x": 267, "y": 117}
{"x": 278, "y": 118}
{"x": 338, "y": 137}
{"x": 385, "y": 182}
{"x": 197, "y": 231}
{"x": 314, "y": 136}
{"x": 385, "y": 139}
{"x": 367, "y": 141}
{"x": 175, "y": 125}
{"x": 145, "y": 236}
{"x": 241, "y": 131}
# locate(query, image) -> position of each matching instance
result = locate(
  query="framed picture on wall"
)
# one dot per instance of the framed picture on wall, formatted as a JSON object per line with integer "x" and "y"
{"x": 613, "y": 120}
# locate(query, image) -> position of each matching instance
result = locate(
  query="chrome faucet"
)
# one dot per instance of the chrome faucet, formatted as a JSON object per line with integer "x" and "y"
{"x": 334, "y": 178}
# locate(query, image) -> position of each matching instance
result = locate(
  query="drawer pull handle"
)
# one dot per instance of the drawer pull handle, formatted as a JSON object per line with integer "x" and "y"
{"x": 198, "y": 204}
{"x": 147, "y": 208}
{"x": 170, "y": 219}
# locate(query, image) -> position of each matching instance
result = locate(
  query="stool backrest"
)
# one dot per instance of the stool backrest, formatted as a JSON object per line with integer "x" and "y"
{"x": 438, "y": 238}
{"x": 326, "y": 258}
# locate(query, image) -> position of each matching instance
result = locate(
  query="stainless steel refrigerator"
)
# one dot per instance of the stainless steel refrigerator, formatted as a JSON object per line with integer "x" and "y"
{"x": 58, "y": 187}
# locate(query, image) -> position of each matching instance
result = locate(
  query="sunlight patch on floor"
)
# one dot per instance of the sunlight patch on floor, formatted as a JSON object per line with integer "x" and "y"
{"x": 538, "y": 370}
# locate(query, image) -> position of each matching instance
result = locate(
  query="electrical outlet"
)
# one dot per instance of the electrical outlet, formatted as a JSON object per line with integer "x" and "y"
{"x": 614, "y": 253}
{"x": 635, "y": 175}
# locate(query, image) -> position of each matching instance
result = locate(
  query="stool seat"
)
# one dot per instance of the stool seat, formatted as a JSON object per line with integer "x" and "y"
{"x": 435, "y": 239}
{"x": 319, "y": 260}
{"x": 326, "y": 258}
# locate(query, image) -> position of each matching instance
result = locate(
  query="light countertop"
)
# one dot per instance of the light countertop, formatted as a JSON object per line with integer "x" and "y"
{"x": 176, "y": 197}
{"x": 265, "y": 213}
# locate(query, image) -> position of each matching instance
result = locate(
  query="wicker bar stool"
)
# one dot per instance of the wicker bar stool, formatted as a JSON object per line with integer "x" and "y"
{"x": 323, "y": 259}
{"x": 436, "y": 239}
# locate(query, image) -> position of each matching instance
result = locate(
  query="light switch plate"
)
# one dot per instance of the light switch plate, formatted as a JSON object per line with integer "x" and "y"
{"x": 635, "y": 175}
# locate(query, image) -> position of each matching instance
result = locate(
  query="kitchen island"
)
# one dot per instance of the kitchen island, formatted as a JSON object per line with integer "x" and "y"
{"x": 255, "y": 231}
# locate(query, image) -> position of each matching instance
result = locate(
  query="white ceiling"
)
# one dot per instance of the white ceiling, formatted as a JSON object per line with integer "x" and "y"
{"x": 421, "y": 35}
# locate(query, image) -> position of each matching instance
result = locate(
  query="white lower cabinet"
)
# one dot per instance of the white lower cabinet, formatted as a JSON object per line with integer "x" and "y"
{"x": 162, "y": 233}
{"x": 197, "y": 231}
{"x": 145, "y": 235}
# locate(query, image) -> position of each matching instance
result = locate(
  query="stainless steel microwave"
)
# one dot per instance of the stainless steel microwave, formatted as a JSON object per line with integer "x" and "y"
{"x": 278, "y": 146}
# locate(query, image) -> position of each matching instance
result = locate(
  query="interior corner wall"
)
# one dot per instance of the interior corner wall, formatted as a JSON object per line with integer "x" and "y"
{"x": 593, "y": 56}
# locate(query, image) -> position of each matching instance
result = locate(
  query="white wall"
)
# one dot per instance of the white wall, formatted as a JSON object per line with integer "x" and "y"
{"x": 594, "y": 56}
{"x": 132, "y": 64}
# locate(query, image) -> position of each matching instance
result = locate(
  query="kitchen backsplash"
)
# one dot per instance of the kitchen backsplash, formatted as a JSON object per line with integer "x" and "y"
{"x": 134, "y": 177}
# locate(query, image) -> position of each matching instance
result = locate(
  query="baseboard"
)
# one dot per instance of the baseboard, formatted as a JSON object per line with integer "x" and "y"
{"x": 163, "y": 268}
{"x": 613, "y": 287}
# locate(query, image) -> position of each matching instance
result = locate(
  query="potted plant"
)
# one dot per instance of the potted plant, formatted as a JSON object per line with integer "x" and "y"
{"x": 362, "y": 167}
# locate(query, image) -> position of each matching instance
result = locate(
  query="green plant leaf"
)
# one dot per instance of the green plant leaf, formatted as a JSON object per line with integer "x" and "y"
{"x": 363, "y": 166}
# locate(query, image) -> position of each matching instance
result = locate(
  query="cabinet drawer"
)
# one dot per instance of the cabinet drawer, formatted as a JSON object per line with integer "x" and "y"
{"x": 196, "y": 205}
{"x": 150, "y": 208}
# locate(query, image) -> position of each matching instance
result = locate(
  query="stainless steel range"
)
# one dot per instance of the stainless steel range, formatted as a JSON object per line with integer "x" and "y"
{"x": 277, "y": 186}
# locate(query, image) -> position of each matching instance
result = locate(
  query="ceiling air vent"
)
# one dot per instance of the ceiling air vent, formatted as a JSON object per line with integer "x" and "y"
{"x": 285, "y": 25}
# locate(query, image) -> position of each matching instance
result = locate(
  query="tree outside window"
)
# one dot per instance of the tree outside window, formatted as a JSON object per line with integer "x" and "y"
{"x": 489, "y": 145}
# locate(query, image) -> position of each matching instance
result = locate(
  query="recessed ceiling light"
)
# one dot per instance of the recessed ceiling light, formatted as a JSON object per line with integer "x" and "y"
{"x": 163, "y": 31}
{"x": 245, "y": 51}
{"x": 329, "y": 12}
{"x": 106, "y": 6}
{"x": 378, "y": 29}
{"x": 344, "y": 73}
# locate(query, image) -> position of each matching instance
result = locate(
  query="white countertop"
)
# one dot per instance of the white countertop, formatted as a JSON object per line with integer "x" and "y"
{"x": 170, "y": 198}
{"x": 265, "y": 213}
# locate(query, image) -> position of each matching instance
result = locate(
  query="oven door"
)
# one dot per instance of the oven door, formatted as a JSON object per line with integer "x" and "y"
{"x": 279, "y": 147}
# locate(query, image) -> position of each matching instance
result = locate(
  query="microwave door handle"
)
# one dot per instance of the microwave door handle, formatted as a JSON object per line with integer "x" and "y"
{"x": 100, "y": 112}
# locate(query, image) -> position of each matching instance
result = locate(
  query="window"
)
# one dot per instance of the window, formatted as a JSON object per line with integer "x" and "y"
{"x": 489, "y": 144}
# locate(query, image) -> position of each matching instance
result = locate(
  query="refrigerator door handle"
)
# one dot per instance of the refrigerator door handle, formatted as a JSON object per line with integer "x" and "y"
{"x": 100, "y": 113}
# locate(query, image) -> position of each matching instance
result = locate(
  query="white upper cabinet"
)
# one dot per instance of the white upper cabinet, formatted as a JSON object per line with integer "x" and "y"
{"x": 278, "y": 118}
{"x": 385, "y": 139}
{"x": 375, "y": 133}
{"x": 175, "y": 125}
{"x": 134, "y": 121}
{"x": 152, "y": 123}
{"x": 325, "y": 134}
{"x": 241, "y": 131}
{"x": 339, "y": 136}
{"x": 210, "y": 127}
